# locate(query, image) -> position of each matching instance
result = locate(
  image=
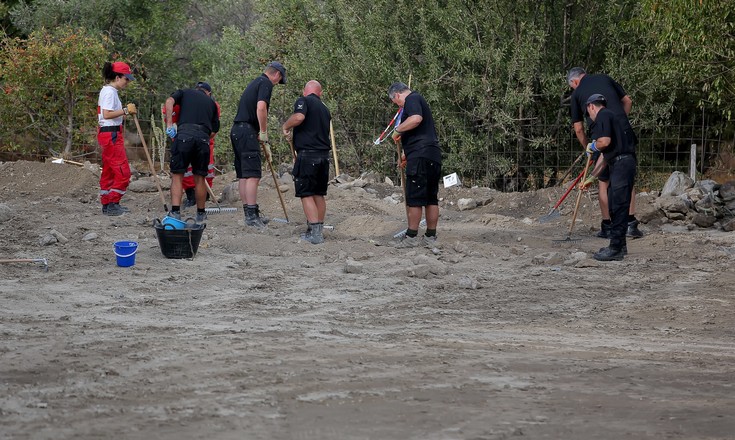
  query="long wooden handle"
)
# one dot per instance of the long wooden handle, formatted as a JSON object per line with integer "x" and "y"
{"x": 334, "y": 149}
{"x": 275, "y": 180}
{"x": 579, "y": 197}
{"x": 150, "y": 162}
{"x": 561, "y": 181}
{"x": 211, "y": 193}
{"x": 293, "y": 150}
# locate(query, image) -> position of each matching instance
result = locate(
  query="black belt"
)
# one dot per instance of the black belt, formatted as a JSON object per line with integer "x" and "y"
{"x": 245, "y": 124}
{"x": 621, "y": 156}
{"x": 193, "y": 127}
{"x": 110, "y": 128}
{"x": 312, "y": 153}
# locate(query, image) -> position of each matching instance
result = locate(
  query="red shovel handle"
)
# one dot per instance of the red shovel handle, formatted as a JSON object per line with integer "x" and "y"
{"x": 571, "y": 187}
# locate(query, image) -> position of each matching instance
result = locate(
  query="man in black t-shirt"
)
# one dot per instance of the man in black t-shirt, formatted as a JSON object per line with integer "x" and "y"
{"x": 423, "y": 163}
{"x": 198, "y": 122}
{"x": 310, "y": 125}
{"x": 618, "y": 101}
{"x": 249, "y": 130}
{"x": 617, "y": 145}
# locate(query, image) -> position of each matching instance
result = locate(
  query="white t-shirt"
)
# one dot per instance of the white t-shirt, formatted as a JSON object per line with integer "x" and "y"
{"x": 108, "y": 101}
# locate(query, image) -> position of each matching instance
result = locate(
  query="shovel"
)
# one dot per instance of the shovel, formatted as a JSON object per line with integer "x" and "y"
{"x": 554, "y": 213}
{"x": 569, "y": 238}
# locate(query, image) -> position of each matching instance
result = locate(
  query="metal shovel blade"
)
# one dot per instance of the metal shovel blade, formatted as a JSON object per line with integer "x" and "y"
{"x": 552, "y": 215}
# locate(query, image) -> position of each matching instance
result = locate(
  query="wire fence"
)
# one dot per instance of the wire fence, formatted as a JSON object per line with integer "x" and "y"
{"x": 537, "y": 155}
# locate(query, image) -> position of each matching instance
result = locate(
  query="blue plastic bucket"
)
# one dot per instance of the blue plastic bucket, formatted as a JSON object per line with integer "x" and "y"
{"x": 125, "y": 253}
{"x": 173, "y": 223}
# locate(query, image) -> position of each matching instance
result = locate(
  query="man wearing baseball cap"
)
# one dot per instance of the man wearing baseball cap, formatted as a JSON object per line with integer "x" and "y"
{"x": 585, "y": 85}
{"x": 613, "y": 140}
{"x": 250, "y": 129}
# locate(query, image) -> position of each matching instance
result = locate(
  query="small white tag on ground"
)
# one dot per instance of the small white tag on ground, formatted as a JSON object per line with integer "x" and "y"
{"x": 451, "y": 180}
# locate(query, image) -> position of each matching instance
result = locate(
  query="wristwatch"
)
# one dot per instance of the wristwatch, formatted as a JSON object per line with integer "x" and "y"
{"x": 125, "y": 111}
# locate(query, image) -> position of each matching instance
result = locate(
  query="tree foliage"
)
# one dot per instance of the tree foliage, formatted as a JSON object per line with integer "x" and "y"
{"x": 493, "y": 72}
{"x": 46, "y": 79}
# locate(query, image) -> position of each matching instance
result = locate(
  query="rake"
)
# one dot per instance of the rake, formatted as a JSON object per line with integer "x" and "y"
{"x": 569, "y": 238}
{"x": 218, "y": 209}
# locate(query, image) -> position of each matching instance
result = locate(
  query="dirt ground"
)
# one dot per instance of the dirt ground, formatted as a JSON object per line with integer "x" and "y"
{"x": 499, "y": 334}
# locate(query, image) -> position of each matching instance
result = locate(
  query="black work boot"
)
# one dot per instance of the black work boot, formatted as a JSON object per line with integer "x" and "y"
{"x": 605, "y": 227}
{"x": 306, "y": 235}
{"x": 609, "y": 254}
{"x": 191, "y": 198}
{"x": 252, "y": 217}
{"x": 113, "y": 210}
{"x": 315, "y": 235}
{"x": 633, "y": 231}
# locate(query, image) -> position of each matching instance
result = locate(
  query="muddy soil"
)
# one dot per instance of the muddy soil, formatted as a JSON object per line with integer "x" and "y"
{"x": 501, "y": 333}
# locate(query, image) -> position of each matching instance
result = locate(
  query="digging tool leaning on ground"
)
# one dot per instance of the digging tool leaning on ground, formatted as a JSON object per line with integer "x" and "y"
{"x": 198, "y": 119}
{"x": 418, "y": 137}
{"x": 310, "y": 127}
{"x": 249, "y": 129}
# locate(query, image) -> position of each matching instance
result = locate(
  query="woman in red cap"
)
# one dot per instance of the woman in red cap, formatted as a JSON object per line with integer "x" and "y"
{"x": 115, "y": 175}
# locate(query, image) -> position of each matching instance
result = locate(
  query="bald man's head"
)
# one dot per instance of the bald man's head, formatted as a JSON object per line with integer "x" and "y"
{"x": 314, "y": 87}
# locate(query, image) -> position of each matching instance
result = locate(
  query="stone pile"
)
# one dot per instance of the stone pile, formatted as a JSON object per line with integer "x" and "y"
{"x": 703, "y": 204}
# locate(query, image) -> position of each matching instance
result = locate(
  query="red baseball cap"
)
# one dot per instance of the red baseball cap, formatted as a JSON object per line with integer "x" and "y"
{"x": 123, "y": 69}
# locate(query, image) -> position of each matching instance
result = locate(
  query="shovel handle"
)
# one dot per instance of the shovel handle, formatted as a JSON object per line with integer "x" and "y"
{"x": 275, "y": 179}
{"x": 150, "y": 162}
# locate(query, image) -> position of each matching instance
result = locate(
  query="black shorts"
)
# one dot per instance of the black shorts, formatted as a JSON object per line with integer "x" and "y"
{"x": 311, "y": 173}
{"x": 422, "y": 182}
{"x": 246, "y": 147}
{"x": 604, "y": 174}
{"x": 190, "y": 148}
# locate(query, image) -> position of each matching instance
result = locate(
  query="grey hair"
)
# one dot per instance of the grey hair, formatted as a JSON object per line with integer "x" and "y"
{"x": 574, "y": 73}
{"x": 396, "y": 88}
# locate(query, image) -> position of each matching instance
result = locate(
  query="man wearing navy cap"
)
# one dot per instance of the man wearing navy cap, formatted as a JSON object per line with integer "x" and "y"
{"x": 249, "y": 130}
{"x": 614, "y": 141}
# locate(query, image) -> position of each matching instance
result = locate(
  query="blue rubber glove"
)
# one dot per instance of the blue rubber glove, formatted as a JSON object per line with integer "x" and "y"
{"x": 592, "y": 148}
{"x": 171, "y": 131}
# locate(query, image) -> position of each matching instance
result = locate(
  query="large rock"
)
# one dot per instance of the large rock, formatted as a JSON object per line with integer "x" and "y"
{"x": 465, "y": 204}
{"x": 704, "y": 220}
{"x": 727, "y": 191}
{"x": 142, "y": 185}
{"x": 729, "y": 226}
{"x": 6, "y": 213}
{"x": 670, "y": 204}
{"x": 706, "y": 205}
{"x": 231, "y": 193}
{"x": 678, "y": 183}
{"x": 706, "y": 186}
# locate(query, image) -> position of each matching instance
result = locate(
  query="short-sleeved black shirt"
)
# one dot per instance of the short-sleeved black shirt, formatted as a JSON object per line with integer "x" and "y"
{"x": 259, "y": 89}
{"x": 422, "y": 141}
{"x": 607, "y": 124}
{"x": 313, "y": 132}
{"x": 196, "y": 108}
{"x": 603, "y": 84}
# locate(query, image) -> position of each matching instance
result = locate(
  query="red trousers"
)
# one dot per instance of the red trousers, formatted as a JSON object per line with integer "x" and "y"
{"x": 115, "y": 176}
{"x": 188, "y": 181}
